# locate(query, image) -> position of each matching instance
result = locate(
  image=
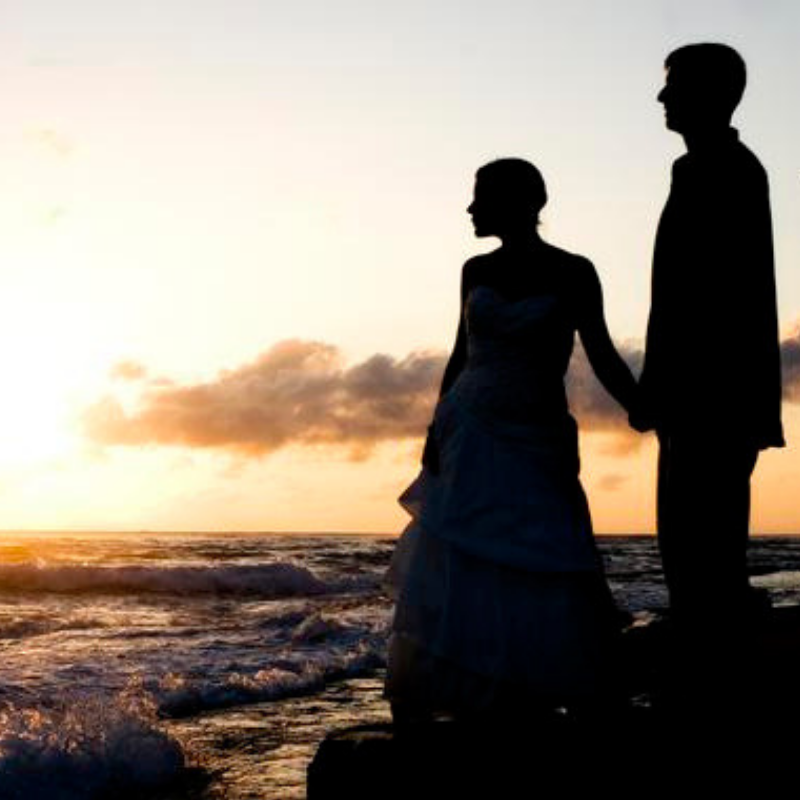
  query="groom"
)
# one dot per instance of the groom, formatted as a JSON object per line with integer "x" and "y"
{"x": 711, "y": 385}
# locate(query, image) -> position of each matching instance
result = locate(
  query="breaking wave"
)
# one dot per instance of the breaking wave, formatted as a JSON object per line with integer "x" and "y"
{"x": 349, "y": 652}
{"x": 88, "y": 749}
{"x": 263, "y": 580}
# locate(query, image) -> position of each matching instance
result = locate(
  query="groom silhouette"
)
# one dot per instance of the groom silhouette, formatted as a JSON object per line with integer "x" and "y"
{"x": 711, "y": 384}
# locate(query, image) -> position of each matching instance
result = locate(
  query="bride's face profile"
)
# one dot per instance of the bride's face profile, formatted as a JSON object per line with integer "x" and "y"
{"x": 509, "y": 193}
{"x": 486, "y": 210}
{"x": 494, "y": 212}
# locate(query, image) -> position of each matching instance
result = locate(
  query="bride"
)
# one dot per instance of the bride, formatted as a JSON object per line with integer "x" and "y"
{"x": 501, "y": 600}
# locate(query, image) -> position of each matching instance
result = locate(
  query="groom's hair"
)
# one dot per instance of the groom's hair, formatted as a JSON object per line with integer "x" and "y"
{"x": 716, "y": 69}
{"x": 517, "y": 180}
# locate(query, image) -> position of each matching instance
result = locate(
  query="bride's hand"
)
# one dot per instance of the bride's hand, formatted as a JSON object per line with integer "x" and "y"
{"x": 640, "y": 418}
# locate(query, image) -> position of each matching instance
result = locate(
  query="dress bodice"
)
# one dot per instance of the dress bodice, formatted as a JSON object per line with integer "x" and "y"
{"x": 517, "y": 354}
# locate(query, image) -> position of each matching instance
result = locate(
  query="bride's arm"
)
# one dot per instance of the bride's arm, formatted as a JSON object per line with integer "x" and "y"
{"x": 458, "y": 357}
{"x": 455, "y": 364}
{"x": 606, "y": 362}
{"x": 430, "y": 453}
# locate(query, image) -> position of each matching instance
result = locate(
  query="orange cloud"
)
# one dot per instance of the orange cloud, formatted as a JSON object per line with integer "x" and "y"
{"x": 790, "y": 357}
{"x": 301, "y": 392}
{"x": 128, "y": 371}
{"x": 298, "y": 392}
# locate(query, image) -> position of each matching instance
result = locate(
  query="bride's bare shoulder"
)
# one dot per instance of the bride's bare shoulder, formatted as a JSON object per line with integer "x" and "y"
{"x": 568, "y": 260}
{"x": 576, "y": 270}
{"x": 481, "y": 261}
{"x": 478, "y": 269}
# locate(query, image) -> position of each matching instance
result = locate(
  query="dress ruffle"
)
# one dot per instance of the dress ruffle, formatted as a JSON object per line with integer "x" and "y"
{"x": 473, "y": 637}
{"x": 506, "y": 492}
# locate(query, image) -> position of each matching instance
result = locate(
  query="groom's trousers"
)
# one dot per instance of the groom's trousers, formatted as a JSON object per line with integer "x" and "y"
{"x": 703, "y": 519}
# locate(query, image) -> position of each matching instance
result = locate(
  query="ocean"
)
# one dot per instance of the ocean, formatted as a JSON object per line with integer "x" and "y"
{"x": 176, "y": 666}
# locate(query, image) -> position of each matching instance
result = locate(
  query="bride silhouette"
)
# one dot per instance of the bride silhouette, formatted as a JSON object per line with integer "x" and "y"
{"x": 501, "y": 600}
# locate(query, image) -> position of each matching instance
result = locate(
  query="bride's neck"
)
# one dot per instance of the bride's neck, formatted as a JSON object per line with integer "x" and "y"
{"x": 520, "y": 241}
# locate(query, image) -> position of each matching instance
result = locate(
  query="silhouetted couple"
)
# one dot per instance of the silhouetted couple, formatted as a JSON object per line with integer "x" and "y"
{"x": 502, "y": 602}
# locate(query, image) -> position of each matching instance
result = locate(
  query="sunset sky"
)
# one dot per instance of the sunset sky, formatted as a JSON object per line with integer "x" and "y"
{"x": 231, "y": 233}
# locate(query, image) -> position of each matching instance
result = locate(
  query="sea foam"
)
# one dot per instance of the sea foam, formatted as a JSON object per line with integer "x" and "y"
{"x": 87, "y": 749}
{"x": 349, "y": 652}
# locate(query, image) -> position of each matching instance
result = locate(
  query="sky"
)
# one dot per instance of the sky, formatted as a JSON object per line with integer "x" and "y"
{"x": 231, "y": 234}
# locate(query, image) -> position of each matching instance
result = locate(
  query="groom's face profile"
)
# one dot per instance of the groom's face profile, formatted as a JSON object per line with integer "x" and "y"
{"x": 683, "y": 105}
{"x": 696, "y": 99}
{"x": 703, "y": 86}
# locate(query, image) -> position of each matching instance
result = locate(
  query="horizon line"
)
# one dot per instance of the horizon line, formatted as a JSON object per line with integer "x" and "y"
{"x": 267, "y": 532}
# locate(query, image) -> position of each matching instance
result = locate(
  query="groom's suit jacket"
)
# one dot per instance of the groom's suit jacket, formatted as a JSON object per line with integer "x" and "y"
{"x": 712, "y": 360}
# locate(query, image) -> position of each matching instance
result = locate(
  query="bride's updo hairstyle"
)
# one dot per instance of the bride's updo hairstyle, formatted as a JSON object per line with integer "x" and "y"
{"x": 516, "y": 184}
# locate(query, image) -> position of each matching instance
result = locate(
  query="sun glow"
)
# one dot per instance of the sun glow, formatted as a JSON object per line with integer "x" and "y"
{"x": 48, "y": 363}
{"x": 34, "y": 418}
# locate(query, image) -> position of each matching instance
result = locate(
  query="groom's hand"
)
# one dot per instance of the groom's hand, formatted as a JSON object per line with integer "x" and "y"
{"x": 640, "y": 413}
{"x": 640, "y": 417}
{"x": 640, "y": 423}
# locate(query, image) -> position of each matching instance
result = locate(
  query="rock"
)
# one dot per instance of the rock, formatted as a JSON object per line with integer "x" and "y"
{"x": 554, "y": 756}
{"x": 720, "y": 734}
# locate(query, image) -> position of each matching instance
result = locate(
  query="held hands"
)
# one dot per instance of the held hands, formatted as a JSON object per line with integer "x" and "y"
{"x": 640, "y": 415}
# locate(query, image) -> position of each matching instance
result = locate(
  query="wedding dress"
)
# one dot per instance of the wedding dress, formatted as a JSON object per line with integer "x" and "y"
{"x": 500, "y": 594}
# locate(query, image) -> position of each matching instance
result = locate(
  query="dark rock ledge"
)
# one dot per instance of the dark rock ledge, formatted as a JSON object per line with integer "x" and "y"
{"x": 718, "y": 736}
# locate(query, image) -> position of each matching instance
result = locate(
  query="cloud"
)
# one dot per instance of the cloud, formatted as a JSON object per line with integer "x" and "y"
{"x": 128, "y": 371}
{"x": 298, "y": 392}
{"x": 790, "y": 358}
{"x": 302, "y": 392}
